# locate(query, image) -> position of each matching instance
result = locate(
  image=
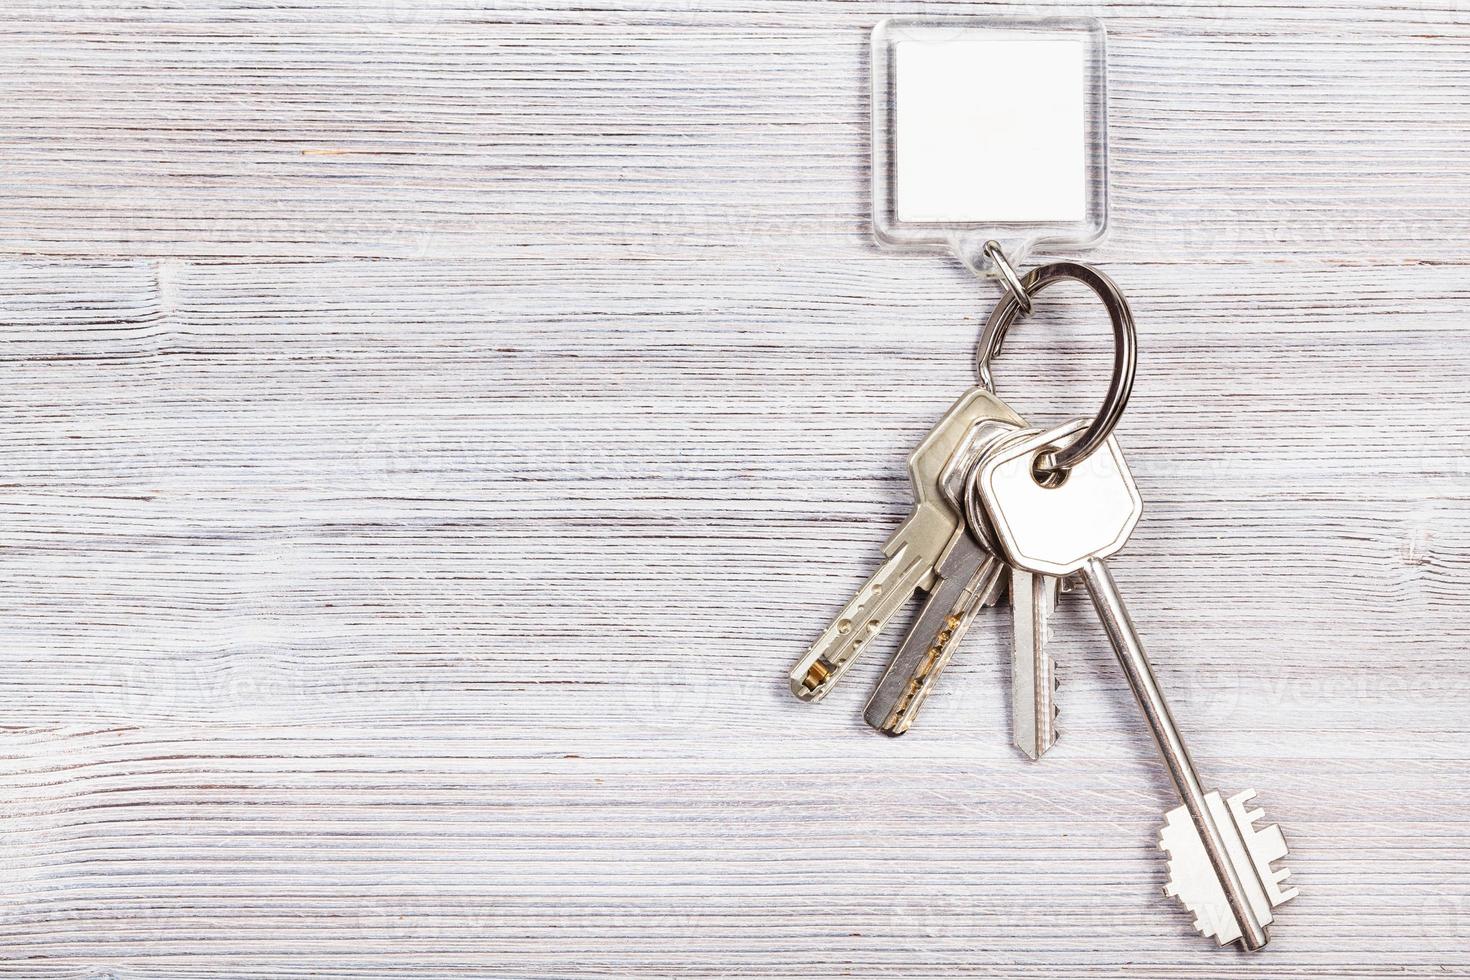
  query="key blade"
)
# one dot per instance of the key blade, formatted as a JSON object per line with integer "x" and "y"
{"x": 1265, "y": 844}
{"x": 1193, "y": 881}
{"x": 860, "y": 620}
{"x": 970, "y": 579}
{"x": 1033, "y": 708}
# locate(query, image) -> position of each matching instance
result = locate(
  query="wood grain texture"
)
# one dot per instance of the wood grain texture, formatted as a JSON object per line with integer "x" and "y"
{"x": 432, "y": 430}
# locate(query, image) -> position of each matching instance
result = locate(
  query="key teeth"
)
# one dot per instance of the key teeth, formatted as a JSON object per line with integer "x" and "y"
{"x": 1192, "y": 883}
{"x": 1280, "y": 875}
{"x": 1238, "y": 802}
{"x": 1056, "y": 709}
{"x": 1266, "y": 845}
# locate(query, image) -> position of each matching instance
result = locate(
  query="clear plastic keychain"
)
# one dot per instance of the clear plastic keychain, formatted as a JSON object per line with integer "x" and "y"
{"x": 989, "y": 130}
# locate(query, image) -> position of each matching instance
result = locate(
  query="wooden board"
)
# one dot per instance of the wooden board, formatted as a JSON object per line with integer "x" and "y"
{"x": 431, "y": 432}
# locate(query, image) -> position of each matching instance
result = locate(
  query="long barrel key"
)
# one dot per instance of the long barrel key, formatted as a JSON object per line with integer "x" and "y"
{"x": 913, "y": 550}
{"x": 1220, "y": 863}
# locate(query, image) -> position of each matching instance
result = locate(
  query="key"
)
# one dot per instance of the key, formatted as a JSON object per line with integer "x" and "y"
{"x": 1219, "y": 862}
{"x": 969, "y": 578}
{"x": 913, "y": 550}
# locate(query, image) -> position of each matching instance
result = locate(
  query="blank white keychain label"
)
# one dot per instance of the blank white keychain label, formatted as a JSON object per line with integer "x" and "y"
{"x": 990, "y": 129}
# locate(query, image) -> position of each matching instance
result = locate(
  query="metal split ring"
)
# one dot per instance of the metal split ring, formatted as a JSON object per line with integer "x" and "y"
{"x": 1008, "y": 274}
{"x": 1125, "y": 350}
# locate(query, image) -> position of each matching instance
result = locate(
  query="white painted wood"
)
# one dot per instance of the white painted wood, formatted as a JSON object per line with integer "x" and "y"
{"x": 432, "y": 431}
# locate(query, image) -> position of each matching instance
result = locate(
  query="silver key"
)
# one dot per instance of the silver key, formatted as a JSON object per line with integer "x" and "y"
{"x": 1220, "y": 863}
{"x": 913, "y": 551}
{"x": 969, "y": 578}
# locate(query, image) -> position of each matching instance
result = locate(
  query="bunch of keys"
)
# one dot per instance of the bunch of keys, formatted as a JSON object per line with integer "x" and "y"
{"x": 1001, "y": 507}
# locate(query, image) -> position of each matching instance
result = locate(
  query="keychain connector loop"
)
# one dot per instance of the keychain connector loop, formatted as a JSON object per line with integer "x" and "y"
{"x": 1009, "y": 275}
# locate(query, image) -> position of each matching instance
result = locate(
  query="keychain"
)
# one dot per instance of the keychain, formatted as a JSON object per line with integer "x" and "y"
{"x": 1000, "y": 507}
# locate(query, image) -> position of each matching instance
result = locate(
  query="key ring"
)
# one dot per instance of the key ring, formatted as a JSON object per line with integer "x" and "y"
{"x": 1016, "y": 303}
{"x": 1008, "y": 275}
